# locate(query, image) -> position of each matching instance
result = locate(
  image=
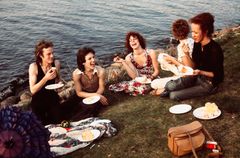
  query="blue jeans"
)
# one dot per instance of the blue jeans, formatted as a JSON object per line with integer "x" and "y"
{"x": 189, "y": 87}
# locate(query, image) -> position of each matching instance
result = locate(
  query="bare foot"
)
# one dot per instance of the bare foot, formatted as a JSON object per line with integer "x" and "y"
{"x": 157, "y": 91}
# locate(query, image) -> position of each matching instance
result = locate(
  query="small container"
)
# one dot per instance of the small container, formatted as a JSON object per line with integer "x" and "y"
{"x": 211, "y": 145}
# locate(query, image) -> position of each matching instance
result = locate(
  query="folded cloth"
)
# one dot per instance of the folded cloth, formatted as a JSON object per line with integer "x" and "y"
{"x": 69, "y": 144}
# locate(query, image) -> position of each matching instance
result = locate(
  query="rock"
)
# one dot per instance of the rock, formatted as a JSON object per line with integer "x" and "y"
{"x": 114, "y": 72}
{"x": 66, "y": 93}
{"x": 9, "y": 101}
{"x": 25, "y": 95}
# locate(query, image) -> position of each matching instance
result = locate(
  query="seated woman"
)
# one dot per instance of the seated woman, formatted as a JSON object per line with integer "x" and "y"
{"x": 139, "y": 62}
{"x": 180, "y": 31}
{"x": 44, "y": 71}
{"x": 208, "y": 59}
{"x": 89, "y": 81}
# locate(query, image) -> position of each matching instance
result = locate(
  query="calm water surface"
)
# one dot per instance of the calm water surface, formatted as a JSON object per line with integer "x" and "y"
{"x": 102, "y": 25}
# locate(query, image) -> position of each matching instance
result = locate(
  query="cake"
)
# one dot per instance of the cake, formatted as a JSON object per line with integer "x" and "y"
{"x": 87, "y": 135}
{"x": 210, "y": 109}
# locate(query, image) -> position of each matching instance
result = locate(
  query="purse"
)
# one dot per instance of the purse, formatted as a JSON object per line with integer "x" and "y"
{"x": 186, "y": 139}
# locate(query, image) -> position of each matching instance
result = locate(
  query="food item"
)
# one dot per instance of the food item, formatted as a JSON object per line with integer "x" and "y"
{"x": 142, "y": 79}
{"x": 183, "y": 70}
{"x": 210, "y": 110}
{"x": 87, "y": 135}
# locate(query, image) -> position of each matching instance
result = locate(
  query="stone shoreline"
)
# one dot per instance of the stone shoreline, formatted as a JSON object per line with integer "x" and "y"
{"x": 113, "y": 73}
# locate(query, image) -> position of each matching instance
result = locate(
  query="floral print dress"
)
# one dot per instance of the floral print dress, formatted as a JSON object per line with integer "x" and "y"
{"x": 133, "y": 87}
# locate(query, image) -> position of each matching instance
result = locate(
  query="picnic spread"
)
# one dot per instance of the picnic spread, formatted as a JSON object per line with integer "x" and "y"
{"x": 79, "y": 134}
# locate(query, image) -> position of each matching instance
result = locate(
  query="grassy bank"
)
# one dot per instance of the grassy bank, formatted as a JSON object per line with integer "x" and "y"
{"x": 143, "y": 121}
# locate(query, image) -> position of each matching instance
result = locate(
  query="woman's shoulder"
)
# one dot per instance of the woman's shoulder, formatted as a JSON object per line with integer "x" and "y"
{"x": 77, "y": 72}
{"x": 33, "y": 65}
{"x": 100, "y": 70}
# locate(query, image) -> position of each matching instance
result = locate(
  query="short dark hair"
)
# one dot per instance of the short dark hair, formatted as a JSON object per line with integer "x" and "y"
{"x": 180, "y": 29}
{"x": 139, "y": 37}
{"x": 82, "y": 52}
{"x": 39, "y": 49}
{"x": 206, "y": 21}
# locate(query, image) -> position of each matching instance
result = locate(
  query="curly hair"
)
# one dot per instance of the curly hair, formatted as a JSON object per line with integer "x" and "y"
{"x": 135, "y": 35}
{"x": 206, "y": 21}
{"x": 180, "y": 29}
{"x": 82, "y": 52}
{"x": 39, "y": 49}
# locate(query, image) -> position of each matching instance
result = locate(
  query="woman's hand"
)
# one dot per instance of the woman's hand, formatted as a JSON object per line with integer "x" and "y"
{"x": 117, "y": 59}
{"x": 196, "y": 72}
{"x": 185, "y": 49}
{"x": 103, "y": 100}
{"x": 51, "y": 74}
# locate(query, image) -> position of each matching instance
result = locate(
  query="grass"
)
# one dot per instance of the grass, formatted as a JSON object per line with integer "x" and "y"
{"x": 143, "y": 121}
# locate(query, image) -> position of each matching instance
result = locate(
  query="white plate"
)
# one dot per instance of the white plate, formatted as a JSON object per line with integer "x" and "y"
{"x": 78, "y": 134}
{"x": 180, "y": 108}
{"x": 58, "y": 130}
{"x": 199, "y": 113}
{"x": 160, "y": 83}
{"x": 140, "y": 80}
{"x": 54, "y": 86}
{"x": 91, "y": 100}
{"x": 56, "y": 142}
{"x": 188, "y": 70}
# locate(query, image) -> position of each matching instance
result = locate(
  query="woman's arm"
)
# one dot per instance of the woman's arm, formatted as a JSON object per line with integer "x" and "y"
{"x": 33, "y": 72}
{"x": 186, "y": 59}
{"x": 129, "y": 67}
{"x": 155, "y": 63}
{"x": 101, "y": 76}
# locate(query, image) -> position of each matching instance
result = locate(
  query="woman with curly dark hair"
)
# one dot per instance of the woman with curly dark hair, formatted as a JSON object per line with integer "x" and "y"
{"x": 139, "y": 62}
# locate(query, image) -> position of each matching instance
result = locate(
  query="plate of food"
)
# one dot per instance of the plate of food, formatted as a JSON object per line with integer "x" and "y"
{"x": 85, "y": 135}
{"x": 207, "y": 112}
{"x": 180, "y": 109}
{"x": 54, "y": 86}
{"x": 185, "y": 70}
{"x": 91, "y": 100}
{"x": 143, "y": 80}
{"x": 58, "y": 130}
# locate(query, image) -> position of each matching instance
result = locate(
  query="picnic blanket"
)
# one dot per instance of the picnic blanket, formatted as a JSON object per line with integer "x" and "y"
{"x": 61, "y": 144}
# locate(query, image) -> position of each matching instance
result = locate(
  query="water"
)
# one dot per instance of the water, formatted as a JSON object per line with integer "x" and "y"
{"x": 102, "y": 25}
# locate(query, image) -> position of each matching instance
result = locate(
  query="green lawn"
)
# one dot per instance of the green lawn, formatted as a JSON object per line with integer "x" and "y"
{"x": 143, "y": 121}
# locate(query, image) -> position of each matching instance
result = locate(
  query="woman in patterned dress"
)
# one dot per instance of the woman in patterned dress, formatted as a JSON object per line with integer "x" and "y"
{"x": 139, "y": 62}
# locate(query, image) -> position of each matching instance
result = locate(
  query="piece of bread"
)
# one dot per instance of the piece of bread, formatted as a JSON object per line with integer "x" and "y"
{"x": 87, "y": 135}
{"x": 210, "y": 109}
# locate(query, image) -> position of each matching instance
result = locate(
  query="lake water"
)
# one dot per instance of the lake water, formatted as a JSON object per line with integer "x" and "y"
{"x": 101, "y": 24}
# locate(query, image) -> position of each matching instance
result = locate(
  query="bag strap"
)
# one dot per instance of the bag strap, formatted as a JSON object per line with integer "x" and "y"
{"x": 191, "y": 143}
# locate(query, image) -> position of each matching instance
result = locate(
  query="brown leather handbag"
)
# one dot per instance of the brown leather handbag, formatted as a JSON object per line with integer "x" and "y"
{"x": 186, "y": 139}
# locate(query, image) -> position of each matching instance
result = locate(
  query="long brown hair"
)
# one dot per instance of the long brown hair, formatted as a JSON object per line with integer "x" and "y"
{"x": 205, "y": 20}
{"x": 138, "y": 36}
{"x": 39, "y": 49}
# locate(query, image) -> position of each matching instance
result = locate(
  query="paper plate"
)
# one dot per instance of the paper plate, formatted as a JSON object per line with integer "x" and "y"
{"x": 91, "y": 100}
{"x": 85, "y": 135}
{"x": 160, "y": 83}
{"x": 180, "y": 108}
{"x": 143, "y": 80}
{"x": 56, "y": 142}
{"x": 54, "y": 86}
{"x": 58, "y": 130}
{"x": 199, "y": 113}
{"x": 185, "y": 70}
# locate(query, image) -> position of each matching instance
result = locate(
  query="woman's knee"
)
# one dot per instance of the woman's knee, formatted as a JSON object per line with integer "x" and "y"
{"x": 174, "y": 96}
{"x": 171, "y": 85}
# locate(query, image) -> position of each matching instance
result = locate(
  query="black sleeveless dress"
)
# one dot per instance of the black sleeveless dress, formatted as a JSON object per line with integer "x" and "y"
{"x": 45, "y": 103}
